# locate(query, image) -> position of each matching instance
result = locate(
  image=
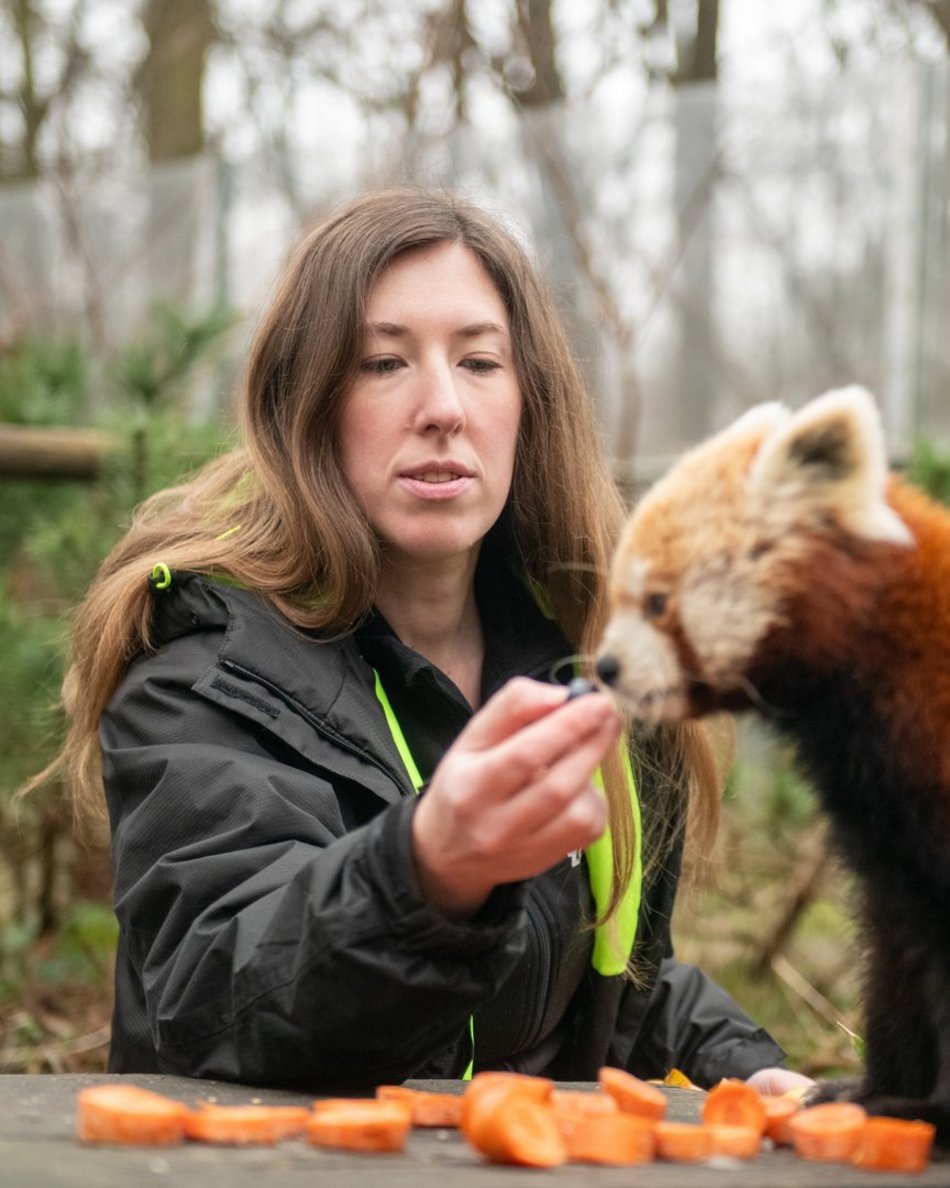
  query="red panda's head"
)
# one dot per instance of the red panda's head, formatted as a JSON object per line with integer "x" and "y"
{"x": 710, "y": 560}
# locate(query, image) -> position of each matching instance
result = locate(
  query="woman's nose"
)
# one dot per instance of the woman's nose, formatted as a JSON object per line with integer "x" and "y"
{"x": 440, "y": 404}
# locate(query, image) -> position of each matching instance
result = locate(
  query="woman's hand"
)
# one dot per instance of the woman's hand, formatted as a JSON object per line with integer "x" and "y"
{"x": 773, "y": 1082}
{"x": 513, "y": 795}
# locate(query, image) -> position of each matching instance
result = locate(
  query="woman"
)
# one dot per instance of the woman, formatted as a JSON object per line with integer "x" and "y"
{"x": 380, "y": 595}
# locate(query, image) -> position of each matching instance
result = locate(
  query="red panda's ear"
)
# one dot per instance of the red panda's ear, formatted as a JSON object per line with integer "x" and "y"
{"x": 830, "y": 457}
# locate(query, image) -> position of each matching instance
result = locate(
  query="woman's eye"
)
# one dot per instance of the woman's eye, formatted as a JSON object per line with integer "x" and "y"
{"x": 382, "y": 366}
{"x": 481, "y": 366}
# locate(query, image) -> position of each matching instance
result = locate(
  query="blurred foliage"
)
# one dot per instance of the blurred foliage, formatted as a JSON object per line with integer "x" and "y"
{"x": 929, "y": 468}
{"x": 43, "y": 382}
{"x": 53, "y": 536}
{"x": 85, "y": 945}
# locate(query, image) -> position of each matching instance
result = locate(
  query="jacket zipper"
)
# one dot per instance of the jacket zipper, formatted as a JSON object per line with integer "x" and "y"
{"x": 320, "y": 727}
{"x": 544, "y": 951}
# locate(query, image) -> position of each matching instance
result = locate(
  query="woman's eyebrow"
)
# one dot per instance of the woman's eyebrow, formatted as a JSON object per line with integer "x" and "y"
{"x": 472, "y": 330}
{"x": 386, "y": 329}
{"x": 476, "y": 329}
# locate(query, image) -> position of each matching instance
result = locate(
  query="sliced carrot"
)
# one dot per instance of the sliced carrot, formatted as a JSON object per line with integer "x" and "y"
{"x": 682, "y": 1142}
{"x": 287, "y": 1121}
{"x": 507, "y": 1126}
{"x": 778, "y": 1111}
{"x": 537, "y": 1088}
{"x": 581, "y": 1103}
{"x": 584, "y": 1101}
{"x": 827, "y": 1133}
{"x": 496, "y": 1083}
{"x": 366, "y": 1125}
{"x": 327, "y": 1103}
{"x": 243, "y": 1125}
{"x": 481, "y": 1101}
{"x": 478, "y": 1103}
{"x": 428, "y": 1108}
{"x": 620, "y": 1139}
{"x": 126, "y": 1114}
{"x": 632, "y": 1095}
{"x": 894, "y": 1144}
{"x": 571, "y": 1108}
{"x": 740, "y": 1142}
{"x": 675, "y": 1079}
{"x": 734, "y": 1103}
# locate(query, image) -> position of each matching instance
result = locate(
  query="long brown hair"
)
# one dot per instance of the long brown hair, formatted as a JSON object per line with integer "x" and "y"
{"x": 301, "y": 530}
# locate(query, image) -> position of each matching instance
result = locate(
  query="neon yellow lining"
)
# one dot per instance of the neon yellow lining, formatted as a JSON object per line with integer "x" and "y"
{"x": 398, "y": 737}
{"x": 613, "y": 942}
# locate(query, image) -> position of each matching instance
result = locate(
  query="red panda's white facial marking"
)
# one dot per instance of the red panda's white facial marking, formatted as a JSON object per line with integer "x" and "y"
{"x": 705, "y": 567}
{"x": 728, "y": 608}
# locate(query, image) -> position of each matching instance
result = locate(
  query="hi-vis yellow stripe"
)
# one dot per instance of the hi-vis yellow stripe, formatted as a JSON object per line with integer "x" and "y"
{"x": 613, "y": 941}
{"x": 398, "y": 737}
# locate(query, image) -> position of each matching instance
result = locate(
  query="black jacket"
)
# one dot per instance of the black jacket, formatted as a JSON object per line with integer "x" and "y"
{"x": 271, "y": 929}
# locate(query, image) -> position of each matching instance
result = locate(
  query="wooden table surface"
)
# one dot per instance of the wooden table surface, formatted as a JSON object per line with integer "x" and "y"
{"x": 38, "y": 1150}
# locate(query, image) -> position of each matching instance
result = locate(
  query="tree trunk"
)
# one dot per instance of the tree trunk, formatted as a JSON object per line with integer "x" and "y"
{"x": 559, "y": 220}
{"x": 32, "y": 108}
{"x": 537, "y": 29}
{"x": 940, "y": 11}
{"x": 171, "y": 81}
{"x": 696, "y": 164}
{"x": 180, "y": 33}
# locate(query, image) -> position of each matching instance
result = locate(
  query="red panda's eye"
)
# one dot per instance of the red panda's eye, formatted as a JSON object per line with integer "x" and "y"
{"x": 655, "y": 605}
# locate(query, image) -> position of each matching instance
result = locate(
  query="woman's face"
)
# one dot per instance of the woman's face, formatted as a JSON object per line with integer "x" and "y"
{"x": 429, "y": 428}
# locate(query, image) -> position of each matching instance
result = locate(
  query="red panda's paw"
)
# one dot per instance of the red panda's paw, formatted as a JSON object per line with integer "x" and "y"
{"x": 850, "y": 1089}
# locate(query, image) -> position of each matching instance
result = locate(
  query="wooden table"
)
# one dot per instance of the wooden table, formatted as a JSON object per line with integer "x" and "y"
{"x": 38, "y": 1150}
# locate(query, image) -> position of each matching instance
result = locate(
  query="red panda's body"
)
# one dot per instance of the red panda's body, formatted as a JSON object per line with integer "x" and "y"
{"x": 778, "y": 568}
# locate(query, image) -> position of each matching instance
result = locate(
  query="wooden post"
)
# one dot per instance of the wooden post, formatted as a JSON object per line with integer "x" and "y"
{"x": 35, "y": 451}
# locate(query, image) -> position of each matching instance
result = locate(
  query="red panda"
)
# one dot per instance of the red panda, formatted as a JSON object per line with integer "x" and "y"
{"x": 779, "y": 567}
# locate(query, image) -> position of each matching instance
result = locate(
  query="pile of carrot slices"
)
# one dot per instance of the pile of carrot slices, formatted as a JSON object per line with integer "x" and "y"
{"x": 511, "y": 1118}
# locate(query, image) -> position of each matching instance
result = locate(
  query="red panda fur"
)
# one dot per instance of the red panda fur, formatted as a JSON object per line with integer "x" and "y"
{"x": 883, "y": 613}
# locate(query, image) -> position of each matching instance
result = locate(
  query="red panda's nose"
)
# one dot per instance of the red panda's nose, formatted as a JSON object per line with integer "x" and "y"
{"x": 607, "y": 669}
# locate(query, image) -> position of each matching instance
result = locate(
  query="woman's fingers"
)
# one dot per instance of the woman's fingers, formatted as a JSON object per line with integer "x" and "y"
{"x": 572, "y": 739}
{"x": 513, "y": 795}
{"x": 561, "y": 791}
{"x": 531, "y": 838}
{"x": 518, "y": 703}
{"x": 525, "y": 729}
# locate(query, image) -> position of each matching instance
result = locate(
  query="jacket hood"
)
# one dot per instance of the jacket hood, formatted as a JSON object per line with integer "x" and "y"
{"x": 303, "y": 690}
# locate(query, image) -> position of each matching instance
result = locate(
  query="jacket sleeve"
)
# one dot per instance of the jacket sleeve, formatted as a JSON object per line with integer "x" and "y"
{"x": 693, "y": 1025}
{"x": 266, "y": 936}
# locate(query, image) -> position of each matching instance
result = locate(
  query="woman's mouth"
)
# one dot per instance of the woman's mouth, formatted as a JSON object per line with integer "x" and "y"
{"x": 436, "y": 476}
{"x": 436, "y": 482}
